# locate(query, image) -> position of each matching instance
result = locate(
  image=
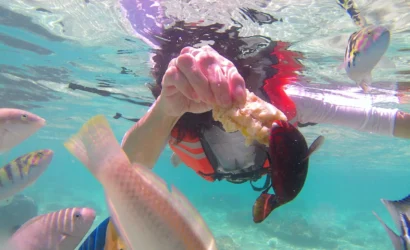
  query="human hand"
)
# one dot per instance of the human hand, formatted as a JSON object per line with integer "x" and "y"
{"x": 199, "y": 79}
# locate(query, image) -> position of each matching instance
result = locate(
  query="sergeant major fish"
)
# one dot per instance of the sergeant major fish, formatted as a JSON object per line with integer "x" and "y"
{"x": 62, "y": 230}
{"x": 23, "y": 171}
{"x": 145, "y": 213}
{"x": 16, "y": 125}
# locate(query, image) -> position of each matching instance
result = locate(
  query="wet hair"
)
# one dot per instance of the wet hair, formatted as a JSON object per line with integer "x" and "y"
{"x": 226, "y": 43}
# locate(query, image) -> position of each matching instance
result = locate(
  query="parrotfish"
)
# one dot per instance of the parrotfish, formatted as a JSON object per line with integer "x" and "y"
{"x": 289, "y": 158}
{"x": 17, "y": 125}
{"x": 145, "y": 212}
{"x": 23, "y": 171}
{"x": 364, "y": 50}
{"x": 62, "y": 230}
{"x": 104, "y": 237}
{"x": 400, "y": 212}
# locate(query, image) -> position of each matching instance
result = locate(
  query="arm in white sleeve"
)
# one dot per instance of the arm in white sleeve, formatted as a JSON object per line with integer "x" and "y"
{"x": 322, "y": 107}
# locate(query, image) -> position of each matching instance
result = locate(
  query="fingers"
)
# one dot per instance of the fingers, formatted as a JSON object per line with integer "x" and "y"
{"x": 206, "y": 76}
{"x": 237, "y": 86}
{"x": 175, "y": 80}
{"x": 187, "y": 64}
{"x": 219, "y": 85}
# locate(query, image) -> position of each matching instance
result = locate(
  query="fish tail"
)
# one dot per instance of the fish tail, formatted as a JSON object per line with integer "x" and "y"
{"x": 263, "y": 206}
{"x": 397, "y": 207}
{"x": 96, "y": 147}
{"x": 395, "y": 239}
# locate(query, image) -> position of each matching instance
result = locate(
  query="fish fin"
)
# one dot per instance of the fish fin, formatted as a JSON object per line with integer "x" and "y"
{"x": 386, "y": 63}
{"x": 114, "y": 219}
{"x": 396, "y": 208}
{"x": 263, "y": 206}
{"x": 316, "y": 144}
{"x": 341, "y": 66}
{"x": 189, "y": 211}
{"x": 366, "y": 82}
{"x": 175, "y": 160}
{"x": 62, "y": 238}
{"x": 395, "y": 239}
{"x": 96, "y": 146}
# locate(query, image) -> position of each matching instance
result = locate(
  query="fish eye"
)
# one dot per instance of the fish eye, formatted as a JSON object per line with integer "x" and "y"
{"x": 40, "y": 154}
{"x": 23, "y": 117}
{"x": 77, "y": 215}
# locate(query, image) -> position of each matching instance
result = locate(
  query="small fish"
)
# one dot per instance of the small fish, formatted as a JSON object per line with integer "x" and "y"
{"x": 104, "y": 237}
{"x": 17, "y": 125}
{"x": 289, "y": 156}
{"x": 62, "y": 230}
{"x": 144, "y": 211}
{"x": 23, "y": 171}
{"x": 399, "y": 211}
{"x": 364, "y": 51}
{"x": 351, "y": 8}
{"x": 175, "y": 160}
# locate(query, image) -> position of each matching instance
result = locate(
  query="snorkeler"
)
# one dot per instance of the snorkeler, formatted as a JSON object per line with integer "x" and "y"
{"x": 184, "y": 87}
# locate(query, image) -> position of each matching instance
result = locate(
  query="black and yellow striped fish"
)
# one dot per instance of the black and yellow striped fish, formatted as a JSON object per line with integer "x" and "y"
{"x": 23, "y": 171}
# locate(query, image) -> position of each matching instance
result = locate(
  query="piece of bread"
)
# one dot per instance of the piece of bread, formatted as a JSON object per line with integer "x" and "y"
{"x": 254, "y": 120}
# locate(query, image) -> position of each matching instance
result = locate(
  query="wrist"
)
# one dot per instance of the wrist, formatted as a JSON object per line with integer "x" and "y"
{"x": 159, "y": 111}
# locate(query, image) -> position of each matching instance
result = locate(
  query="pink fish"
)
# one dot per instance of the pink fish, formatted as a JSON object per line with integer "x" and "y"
{"x": 16, "y": 125}
{"x": 145, "y": 212}
{"x": 59, "y": 230}
{"x": 23, "y": 171}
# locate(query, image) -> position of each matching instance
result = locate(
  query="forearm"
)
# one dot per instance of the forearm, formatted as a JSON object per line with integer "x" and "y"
{"x": 369, "y": 119}
{"x": 144, "y": 142}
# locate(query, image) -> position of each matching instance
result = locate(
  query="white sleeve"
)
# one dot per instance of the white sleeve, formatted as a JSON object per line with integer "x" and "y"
{"x": 320, "y": 107}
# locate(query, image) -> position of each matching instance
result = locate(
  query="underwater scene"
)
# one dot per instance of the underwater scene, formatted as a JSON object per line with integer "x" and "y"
{"x": 204, "y": 124}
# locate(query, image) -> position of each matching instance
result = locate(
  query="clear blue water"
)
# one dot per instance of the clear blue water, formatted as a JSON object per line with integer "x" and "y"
{"x": 347, "y": 177}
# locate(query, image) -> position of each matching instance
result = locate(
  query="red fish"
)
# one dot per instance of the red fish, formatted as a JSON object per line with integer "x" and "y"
{"x": 289, "y": 155}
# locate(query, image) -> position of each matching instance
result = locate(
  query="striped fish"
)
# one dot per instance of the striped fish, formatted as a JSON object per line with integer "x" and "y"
{"x": 365, "y": 47}
{"x": 23, "y": 171}
{"x": 147, "y": 214}
{"x": 364, "y": 50}
{"x": 104, "y": 237}
{"x": 59, "y": 230}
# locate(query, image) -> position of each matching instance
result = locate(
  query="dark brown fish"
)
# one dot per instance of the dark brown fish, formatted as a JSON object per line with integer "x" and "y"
{"x": 289, "y": 155}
